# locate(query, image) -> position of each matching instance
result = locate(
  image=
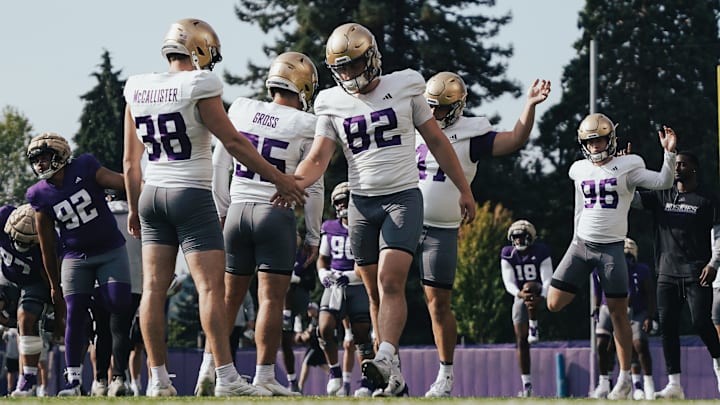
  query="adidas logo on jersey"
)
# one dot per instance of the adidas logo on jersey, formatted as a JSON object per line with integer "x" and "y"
{"x": 77, "y": 180}
{"x": 387, "y": 97}
{"x": 453, "y": 137}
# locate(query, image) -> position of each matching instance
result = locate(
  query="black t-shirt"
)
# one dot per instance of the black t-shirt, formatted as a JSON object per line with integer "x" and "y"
{"x": 683, "y": 222}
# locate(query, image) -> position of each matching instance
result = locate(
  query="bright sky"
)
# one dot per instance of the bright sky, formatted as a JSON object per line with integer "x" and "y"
{"x": 53, "y": 47}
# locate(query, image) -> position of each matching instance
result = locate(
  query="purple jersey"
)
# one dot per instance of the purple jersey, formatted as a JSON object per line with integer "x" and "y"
{"x": 526, "y": 263}
{"x": 335, "y": 235}
{"x": 78, "y": 207}
{"x": 19, "y": 267}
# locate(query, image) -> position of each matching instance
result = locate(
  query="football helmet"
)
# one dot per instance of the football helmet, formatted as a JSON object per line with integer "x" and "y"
{"x": 20, "y": 226}
{"x": 594, "y": 126}
{"x": 196, "y": 39}
{"x": 340, "y": 192}
{"x": 521, "y": 234}
{"x": 348, "y": 43}
{"x": 295, "y": 72}
{"x": 631, "y": 248}
{"x": 49, "y": 142}
{"x": 447, "y": 89}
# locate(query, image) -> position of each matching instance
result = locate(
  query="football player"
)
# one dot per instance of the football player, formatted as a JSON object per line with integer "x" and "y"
{"x": 22, "y": 265}
{"x": 71, "y": 197}
{"x": 258, "y": 235}
{"x": 472, "y": 138}
{"x": 526, "y": 268}
{"x": 171, "y": 117}
{"x": 604, "y": 188}
{"x": 344, "y": 294}
{"x": 374, "y": 118}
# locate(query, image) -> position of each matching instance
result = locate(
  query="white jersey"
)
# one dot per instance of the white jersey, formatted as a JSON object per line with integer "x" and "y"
{"x": 603, "y": 194}
{"x": 178, "y": 145}
{"x": 440, "y": 195}
{"x": 377, "y": 131}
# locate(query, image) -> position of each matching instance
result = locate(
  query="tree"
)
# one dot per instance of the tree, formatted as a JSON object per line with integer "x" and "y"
{"x": 101, "y": 122}
{"x": 15, "y": 135}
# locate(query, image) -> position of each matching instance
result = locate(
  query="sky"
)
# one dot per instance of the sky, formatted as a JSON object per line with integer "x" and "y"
{"x": 53, "y": 47}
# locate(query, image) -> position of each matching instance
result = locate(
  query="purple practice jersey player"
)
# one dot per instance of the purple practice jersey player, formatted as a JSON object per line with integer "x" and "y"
{"x": 71, "y": 197}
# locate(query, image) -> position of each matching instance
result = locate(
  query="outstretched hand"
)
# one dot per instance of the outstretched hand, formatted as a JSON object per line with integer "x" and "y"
{"x": 539, "y": 91}
{"x": 668, "y": 139}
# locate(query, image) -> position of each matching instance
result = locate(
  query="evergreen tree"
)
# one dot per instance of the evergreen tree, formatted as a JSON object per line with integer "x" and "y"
{"x": 15, "y": 135}
{"x": 101, "y": 122}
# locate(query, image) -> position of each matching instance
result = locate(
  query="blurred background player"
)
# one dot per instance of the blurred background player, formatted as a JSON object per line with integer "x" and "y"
{"x": 260, "y": 237}
{"x": 71, "y": 196}
{"x": 374, "y": 118}
{"x": 344, "y": 295}
{"x": 526, "y": 268}
{"x": 472, "y": 138}
{"x": 243, "y": 333}
{"x": 175, "y": 127}
{"x": 314, "y": 356}
{"x": 604, "y": 185}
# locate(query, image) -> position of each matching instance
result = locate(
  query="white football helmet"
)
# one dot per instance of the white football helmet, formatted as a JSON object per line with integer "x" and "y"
{"x": 447, "y": 89}
{"x": 295, "y": 72}
{"x": 340, "y": 192}
{"x": 521, "y": 234}
{"x": 196, "y": 39}
{"x": 595, "y": 126}
{"x": 348, "y": 43}
{"x": 631, "y": 248}
{"x": 20, "y": 226}
{"x": 53, "y": 144}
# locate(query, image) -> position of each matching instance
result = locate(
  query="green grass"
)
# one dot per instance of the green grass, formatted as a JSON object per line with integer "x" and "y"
{"x": 329, "y": 400}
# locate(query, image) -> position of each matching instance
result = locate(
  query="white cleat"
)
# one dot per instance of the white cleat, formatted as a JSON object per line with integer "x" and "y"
{"x": 158, "y": 389}
{"x": 335, "y": 387}
{"x": 239, "y": 388}
{"x": 377, "y": 372}
{"x": 119, "y": 388}
{"x": 205, "y": 386}
{"x": 622, "y": 390}
{"x": 99, "y": 388}
{"x": 599, "y": 392}
{"x": 671, "y": 391}
{"x": 441, "y": 388}
{"x": 275, "y": 388}
{"x": 533, "y": 335}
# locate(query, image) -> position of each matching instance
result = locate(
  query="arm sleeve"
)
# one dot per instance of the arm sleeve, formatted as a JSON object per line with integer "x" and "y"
{"x": 508, "y": 276}
{"x": 715, "y": 235}
{"x": 324, "y": 246}
{"x": 222, "y": 165}
{"x": 481, "y": 146}
{"x": 653, "y": 180}
{"x": 546, "y": 271}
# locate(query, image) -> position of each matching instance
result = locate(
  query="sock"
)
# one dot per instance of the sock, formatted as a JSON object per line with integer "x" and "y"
{"x": 526, "y": 379}
{"x": 636, "y": 378}
{"x": 335, "y": 371}
{"x": 291, "y": 377}
{"x": 623, "y": 375}
{"x": 674, "y": 379}
{"x": 446, "y": 370}
{"x": 385, "y": 351}
{"x": 604, "y": 381}
{"x": 226, "y": 373}
{"x": 208, "y": 364}
{"x": 264, "y": 372}
{"x": 533, "y": 323}
{"x": 347, "y": 376}
{"x": 30, "y": 370}
{"x": 160, "y": 374}
{"x": 648, "y": 383}
{"x": 716, "y": 366}
{"x": 74, "y": 374}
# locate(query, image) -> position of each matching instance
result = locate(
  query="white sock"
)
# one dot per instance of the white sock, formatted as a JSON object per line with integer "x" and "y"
{"x": 264, "y": 372}
{"x": 674, "y": 379}
{"x": 208, "y": 364}
{"x": 292, "y": 377}
{"x": 347, "y": 376}
{"x": 623, "y": 375}
{"x": 636, "y": 378}
{"x": 30, "y": 370}
{"x": 446, "y": 370}
{"x": 533, "y": 323}
{"x": 160, "y": 374}
{"x": 716, "y": 366}
{"x": 604, "y": 381}
{"x": 385, "y": 351}
{"x": 226, "y": 373}
{"x": 648, "y": 383}
{"x": 526, "y": 379}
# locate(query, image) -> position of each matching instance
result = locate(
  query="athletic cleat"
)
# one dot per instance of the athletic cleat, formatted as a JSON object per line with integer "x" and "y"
{"x": 27, "y": 386}
{"x": 345, "y": 391}
{"x": 158, "y": 389}
{"x": 239, "y": 388}
{"x": 71, "y": 389}
{"x": 366, "y": 389}
{"x": 119, "y": 388}
{"x": 396, "y": 386}
{"x": 441, "y": 388}
{"x": 275, "y": 388}
{"x": 99, "y": 388}
{"x": 599, "y": 392}
{"x": 671, "y": 391}
{"x": 135, "y": 388}
{"x": 533, "y": 335}
{"x": 205, "y": 386}
{"x": 334, "y": 387}
{"x": 377, "y": 371}
{"x": 294, "y": 386}
{"x": 622, "y": 390}
{"x": 527, "y": 391}
{"x": 638, "y": 393}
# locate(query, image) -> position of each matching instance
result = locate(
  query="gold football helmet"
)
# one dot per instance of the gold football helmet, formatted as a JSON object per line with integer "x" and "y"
{"x": 54, "y": 144}
{"x": 348, "y": 43}
{"x": 447, "y": 89}
{"x": 20, "y": 226}
{"x": 340, "y": 192}
{"x": 631, "y": 248}
{"x": 295, "y": 72}
{"x": 196, "y": 39}
{"x": 594, "y": 126}
{"x": 521, "y": 234}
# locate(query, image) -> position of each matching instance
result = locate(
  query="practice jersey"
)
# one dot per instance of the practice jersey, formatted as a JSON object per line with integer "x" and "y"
{"x": 78, "y": 207}
{"x": 603, "y": 194}
{"x": 335, "y": 244}
{"x": 282, "y": 135}
{"x": 377, "y": 131}
{"x": 472, "y": 138}
{"x": 18, "y": 267}
{"x": 178, "y": 145}
{"x": 532, "y": 264}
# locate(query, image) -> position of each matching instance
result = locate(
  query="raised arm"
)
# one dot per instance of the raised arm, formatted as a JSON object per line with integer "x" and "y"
{"x": 664, "y": 179}
{"x": 509, "y": 141}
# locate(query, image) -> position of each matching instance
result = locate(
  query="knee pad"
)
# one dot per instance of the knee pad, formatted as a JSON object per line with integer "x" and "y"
{"x": 30, "y": 345}
{"x": 365, "y": 349}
